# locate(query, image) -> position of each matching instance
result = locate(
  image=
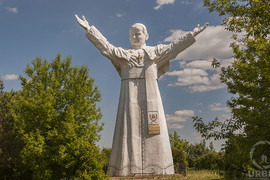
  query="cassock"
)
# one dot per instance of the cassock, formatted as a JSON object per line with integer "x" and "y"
{"x": 141, "y": 142}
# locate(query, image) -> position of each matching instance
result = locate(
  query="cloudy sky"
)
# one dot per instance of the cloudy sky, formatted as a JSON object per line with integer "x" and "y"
{"x": 30, "y": 28}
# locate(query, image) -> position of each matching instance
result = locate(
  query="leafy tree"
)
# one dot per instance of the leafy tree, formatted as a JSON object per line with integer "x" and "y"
{"x": 57, "y": 117}
{"x": 194, "y": 152}
{"x": 194, "y": 156}
{"x": 10, "y": 145}
{"x": 211, "y": 147}
{"x": 106, "y": 155}
{"x": 199, "y": 157}
{"x": 211, "y": 161}
{"x": 176, "y": 141}
{"x": 178, "y": 146}
{"x": 248, "y": 79}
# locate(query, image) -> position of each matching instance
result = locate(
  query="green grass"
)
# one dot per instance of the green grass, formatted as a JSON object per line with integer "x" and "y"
{"x": 201, "y": 175}
{"x": 191, "y": 175}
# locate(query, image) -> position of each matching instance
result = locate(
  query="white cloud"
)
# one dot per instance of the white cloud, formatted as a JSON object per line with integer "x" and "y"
{"x": 189, "y": 77}
{"x": 174, "y": 35}
{"x": 213, "y": 83}
{"x": 226, "y": 116}
{"x": 184, "y": 113}
{"x": 226, "y": 62}
{"x": 119, "y": 15}
{"x": 12, "y": 9}
{"x": 197, "y": 136}
{"x": 182, "y": 64}
{"x": 198, "y": 80}
{"x": 218, "y": 107}
{"x": 175, "y": 126}
{"x": 175, "y": 118}
{"x": 163, "y": 2}
{"x": 186, "y": 2}
{"x": 188, "y": 72}
{"x": 200, "y": 64}
{"x": 178, "y": 116}
{"x": 206, "y": 64}
{"x": 213, "y": 42}
{"x": 10, "y": 77}
{"x": 196, "y": 71}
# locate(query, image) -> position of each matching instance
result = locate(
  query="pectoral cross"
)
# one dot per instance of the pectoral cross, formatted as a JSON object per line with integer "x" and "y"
{"x": 140, "y": 58}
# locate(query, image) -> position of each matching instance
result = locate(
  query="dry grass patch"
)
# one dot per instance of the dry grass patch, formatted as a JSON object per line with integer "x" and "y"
{"x": 191, "y": 175}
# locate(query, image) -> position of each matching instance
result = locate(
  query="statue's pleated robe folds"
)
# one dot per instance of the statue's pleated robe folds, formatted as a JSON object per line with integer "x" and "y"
{"x": 135, "y": 151}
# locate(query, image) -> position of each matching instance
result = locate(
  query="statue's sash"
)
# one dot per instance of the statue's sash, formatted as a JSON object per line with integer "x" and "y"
{"x": 151, "y": 98}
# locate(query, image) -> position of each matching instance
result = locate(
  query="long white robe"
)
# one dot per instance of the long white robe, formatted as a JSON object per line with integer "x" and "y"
{"x": 134, "y": 150}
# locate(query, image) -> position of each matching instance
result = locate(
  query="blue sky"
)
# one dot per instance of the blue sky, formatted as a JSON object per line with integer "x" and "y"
{"x": 31, "y": 28}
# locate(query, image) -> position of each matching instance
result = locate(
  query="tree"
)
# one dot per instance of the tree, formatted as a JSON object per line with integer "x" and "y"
{"x": 178, "y": 147}
{"x": 248, "y": 79}
{"x": 106, "y": 157}
{"x": 194, "y": 156}
{"x": 57, "y": 118}
{"x": 10, "y": 144}
{"x": 211, "y": 161}
{"x": 194, "y": 152}
{"x": 211, "y": 147}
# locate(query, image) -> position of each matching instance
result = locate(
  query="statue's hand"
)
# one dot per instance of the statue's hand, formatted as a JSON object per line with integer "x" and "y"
{"x": 83, "y": 22}
{"x": 199, "y": 29}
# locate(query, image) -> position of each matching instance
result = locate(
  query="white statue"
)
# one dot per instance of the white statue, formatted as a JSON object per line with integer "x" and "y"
{"x": 141, "y": 142}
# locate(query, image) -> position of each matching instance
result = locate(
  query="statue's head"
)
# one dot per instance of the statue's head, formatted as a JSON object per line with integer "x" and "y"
{"x": 138, "y": 35}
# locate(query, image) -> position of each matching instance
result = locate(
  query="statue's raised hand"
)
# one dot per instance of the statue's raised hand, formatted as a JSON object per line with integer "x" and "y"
{"x": 83, "y": 22}
{"x": 199, "y": 29}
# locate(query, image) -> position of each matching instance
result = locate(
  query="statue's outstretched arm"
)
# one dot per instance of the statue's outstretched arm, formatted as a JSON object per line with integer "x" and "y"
{"x": 116, "y": 55}
{"x": 99, "y": 41}
{"x": 198, "y": 29}
{"x": 168, "y": 52}
{"x": 83, "y": 22}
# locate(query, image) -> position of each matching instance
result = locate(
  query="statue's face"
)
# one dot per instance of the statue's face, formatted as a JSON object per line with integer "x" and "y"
{"x": 136, "y": 36}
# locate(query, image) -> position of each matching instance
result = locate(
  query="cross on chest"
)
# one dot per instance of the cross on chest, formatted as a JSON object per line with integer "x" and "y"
{"x": 139, "y": 58}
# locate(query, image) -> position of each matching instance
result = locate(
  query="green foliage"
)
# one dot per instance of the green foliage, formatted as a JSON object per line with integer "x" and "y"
{"x": 195, "y": 152}
{"x": 248, "y": 79}
{"x": 211, "y": 161}
{"x": 201, "y": 175}
{"x": 194, "y": 156}
{"x": 10, "y": 145}
{"x": 57, "y": 118}
{"x": 201, "y": 157}
{"x": 177, "y": 142}
{"x": 211, "y": 147}
{"x": 236, "y": 159}
{"x": 106, "y": 157}
{"x": 178, "y": 146}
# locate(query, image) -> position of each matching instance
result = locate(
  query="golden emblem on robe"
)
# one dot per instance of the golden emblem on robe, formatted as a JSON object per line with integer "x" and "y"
{"x": 153, "y": 123}
{"x": 139, "y": 58}
{"x": 153, "y": 118}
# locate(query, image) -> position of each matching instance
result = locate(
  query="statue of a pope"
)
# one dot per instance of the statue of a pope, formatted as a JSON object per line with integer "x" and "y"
{"x": 141, "y": 142}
